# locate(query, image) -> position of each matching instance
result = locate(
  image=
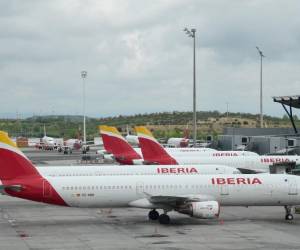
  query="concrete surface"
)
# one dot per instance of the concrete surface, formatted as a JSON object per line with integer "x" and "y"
{"x": 30, "y": 225}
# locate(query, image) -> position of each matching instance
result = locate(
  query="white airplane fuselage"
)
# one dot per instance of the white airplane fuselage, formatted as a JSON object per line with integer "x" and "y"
{"x": 202, "y": 152}
{"x": 255, "y": 163}
{"x": 107, "y": 170}
{"x": 228, "y": 190}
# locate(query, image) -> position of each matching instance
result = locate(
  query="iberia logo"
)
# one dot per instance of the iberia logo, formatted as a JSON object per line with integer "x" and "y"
{"x": 274, "y": 160}
{"x": 177, "y": 171}
{"x": 235, "y": 181}
{"x": 225, "y": 154}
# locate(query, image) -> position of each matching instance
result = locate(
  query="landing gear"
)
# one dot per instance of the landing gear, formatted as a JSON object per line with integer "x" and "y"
{"x": 288, "y": 213}
{"x": 289, "y": 217}
{"x": 164, "y": 219}
{"x": 153, "y": 215}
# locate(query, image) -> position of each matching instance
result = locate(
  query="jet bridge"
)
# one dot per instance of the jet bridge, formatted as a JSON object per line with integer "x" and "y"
{"x": 288, "y": 103}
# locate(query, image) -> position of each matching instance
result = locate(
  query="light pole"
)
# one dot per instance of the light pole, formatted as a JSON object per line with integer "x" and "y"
{"x": 83, "y": 76}
{"x": 261, "y": 91}
{"x": 191, "y": 33}
{"x": 227, "y": 103}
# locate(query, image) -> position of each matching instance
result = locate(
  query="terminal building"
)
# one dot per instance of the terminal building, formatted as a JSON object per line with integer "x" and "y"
{"x": 265, "y": 140}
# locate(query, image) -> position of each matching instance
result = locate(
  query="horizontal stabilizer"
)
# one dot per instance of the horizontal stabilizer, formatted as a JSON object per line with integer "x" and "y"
{"x": 15, "y": 188}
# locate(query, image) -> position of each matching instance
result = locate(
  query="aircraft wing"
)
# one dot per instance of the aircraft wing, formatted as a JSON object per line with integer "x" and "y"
{"x": 175, "y": 201}
{"x": 169, "y": 201}
{"x": 251, "y": 171}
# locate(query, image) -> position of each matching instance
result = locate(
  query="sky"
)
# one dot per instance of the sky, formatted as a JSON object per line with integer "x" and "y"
{"x": 139, "y": 60}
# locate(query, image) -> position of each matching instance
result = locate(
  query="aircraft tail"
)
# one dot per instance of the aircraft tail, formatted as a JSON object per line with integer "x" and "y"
{"x": 153, "y": 152}
{"x": 105, "y": 138}
{"x": 118, "y": 146}
{"x": 19, "y": 177}
{"x": 13, "y": 163}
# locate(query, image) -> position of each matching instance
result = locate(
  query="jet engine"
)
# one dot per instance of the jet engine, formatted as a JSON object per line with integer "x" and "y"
{"x": 201, "y": 210}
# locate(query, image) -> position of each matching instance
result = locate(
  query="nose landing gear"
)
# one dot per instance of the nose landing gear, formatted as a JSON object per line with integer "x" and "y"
{"x": 288, "y": 213}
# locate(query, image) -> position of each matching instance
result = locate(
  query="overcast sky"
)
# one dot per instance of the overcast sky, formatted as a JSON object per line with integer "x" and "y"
{"x": 139, "y": 59}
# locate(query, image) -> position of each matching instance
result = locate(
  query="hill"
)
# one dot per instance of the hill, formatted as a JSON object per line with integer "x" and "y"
{"x": 164, "y": 124}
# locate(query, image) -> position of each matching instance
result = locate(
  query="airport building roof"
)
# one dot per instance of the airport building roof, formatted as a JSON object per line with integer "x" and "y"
{"x": 293, "y": 101}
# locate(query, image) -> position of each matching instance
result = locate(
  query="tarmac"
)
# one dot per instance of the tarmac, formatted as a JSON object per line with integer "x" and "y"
{"x": 31, "y": 225}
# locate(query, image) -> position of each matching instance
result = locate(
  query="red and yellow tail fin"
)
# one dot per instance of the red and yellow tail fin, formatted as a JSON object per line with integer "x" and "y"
{"x": 4, "y": 138}
{"x": 116, "y": 144}
{"x": 20, "y": 178}
{"x": 13, "y": 163}
{"x": 103, "y": 130}
{"x": 152, "y": 151}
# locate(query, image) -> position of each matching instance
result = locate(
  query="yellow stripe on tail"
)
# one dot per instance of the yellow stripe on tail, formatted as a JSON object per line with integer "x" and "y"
{"x": 4, "y": 138}
{"x": 143, "y": 131}
{"x": 109, "y": 129}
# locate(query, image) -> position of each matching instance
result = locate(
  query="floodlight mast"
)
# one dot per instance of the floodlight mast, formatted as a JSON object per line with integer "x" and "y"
{"x": 83, "y": 76}
{"x": 261, "y": 90}
{"x": 191, "y": 33}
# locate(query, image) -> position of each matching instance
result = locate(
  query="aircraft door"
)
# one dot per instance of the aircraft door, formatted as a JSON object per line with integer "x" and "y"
{"x": 47, "y": 189}
{"x": 140, "y": 188}
{"x": 224, "y": 190}
{"x": 293, "y": 189}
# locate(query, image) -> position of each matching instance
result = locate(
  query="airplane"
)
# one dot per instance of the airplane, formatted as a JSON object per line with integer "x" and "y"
{"x": 154, "y": 153}
{"x": 178, "y": 142}
{"x": 199, "y": 196}
{"x": 48, "y": 143}
{"x": 116, "y": 147}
